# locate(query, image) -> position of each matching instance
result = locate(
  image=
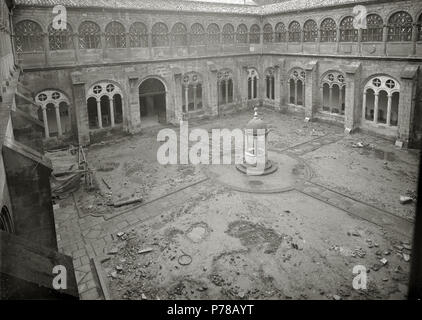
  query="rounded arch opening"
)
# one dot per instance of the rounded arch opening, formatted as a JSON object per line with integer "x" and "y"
{"x": 152, "y": 101}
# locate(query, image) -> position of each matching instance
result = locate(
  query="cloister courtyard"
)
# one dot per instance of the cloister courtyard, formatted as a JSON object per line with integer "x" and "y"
{"x": 210, "y": 232}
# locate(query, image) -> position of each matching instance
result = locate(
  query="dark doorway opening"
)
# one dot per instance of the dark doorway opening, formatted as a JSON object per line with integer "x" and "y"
{"x": 152, "y": 102}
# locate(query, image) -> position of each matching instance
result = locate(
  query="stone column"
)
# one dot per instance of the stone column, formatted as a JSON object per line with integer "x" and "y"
{"x": 227, "y": 91}
{"x": 389, "y": 109}
{"x": 75, "y": 39}
{"x": 194, "y": 97}
{"x": 318, "y": 40}
{"x": 310, "y": 90}
{"x": 133, "y": 114}
{"x": 46, "y": 49}
{"x": 81, "y": 109}
{"x": 150, "y": 45}
{"x": 186, "y": 86}
{"x": 364, "y": 107}
{"x": 99, "y": 117}
{"x": 59, "y": 124}
{"x": 338, "y": 39}
{"x": 44, "y": 118}
{"x": 330, "y": 99}
{"x": 414, "y": 37}
{"x": 352, "y": 108}
{"x": 296, "y": 92}
{"x": 112, "y": 111}
{"x": 385, "y": 38}
{"x": 407, "y": 102}
{"x": 376, "y": 107}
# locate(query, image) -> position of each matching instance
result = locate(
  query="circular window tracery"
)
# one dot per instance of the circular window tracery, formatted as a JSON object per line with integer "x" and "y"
{"x": 103, "y": 88}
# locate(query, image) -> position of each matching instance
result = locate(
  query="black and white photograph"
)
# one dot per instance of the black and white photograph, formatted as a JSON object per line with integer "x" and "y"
{"x": 210, "y": 150}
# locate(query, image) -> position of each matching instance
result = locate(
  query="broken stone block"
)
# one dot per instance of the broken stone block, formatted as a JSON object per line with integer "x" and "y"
{"x": 406, "y": 257}
{"x": 384, "y": 261}
{"x": 146, "y": 250}
{"x": 405, "y": 199}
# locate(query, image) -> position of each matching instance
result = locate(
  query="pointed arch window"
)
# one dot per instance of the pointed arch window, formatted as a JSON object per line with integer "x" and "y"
{"x": 225, "y": 87}
{"x": 89, "y": 35}
{"x": 381, "y": 98}
{"x": 333, "y": 87}
{"x": 28, "y": 37}
{"x": 138, "y": 35}
{"x": 270, "y": 84}
{"x": 296, "y": 87}
{"x": 252, "y": 84}
{"x": 419, "y": 28}
{"x": 191, "y": 92}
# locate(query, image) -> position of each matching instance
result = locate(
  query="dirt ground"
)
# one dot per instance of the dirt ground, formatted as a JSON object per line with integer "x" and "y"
{"x": 205, "y": 232}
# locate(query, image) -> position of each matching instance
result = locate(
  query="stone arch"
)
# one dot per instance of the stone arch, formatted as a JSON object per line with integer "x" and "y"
{"x": 54, "y": 111}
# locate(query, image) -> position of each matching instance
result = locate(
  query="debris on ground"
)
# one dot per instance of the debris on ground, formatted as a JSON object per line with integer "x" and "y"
{"x": 122, "y": 203}
{"x": 406, "y": 257}
{"x": 405, "y": 199}
{"x": 146, "y": 250}
{"x": 384, "y": 261}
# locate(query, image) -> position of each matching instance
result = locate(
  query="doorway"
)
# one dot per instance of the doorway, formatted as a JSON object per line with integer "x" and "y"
{"x": 152, "y": 102}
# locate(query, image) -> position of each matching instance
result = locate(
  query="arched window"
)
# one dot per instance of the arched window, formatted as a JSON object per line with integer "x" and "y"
{"x": 6, "y": 222}
{"x": 400, "y": 27}
{"x": 333, "y": 92}
{"x": 198, "y": 36}
{"x": 191, "y": 92}
{"x": 268, "y": 33}
{"x": 160, "y": 36}
{"x": 419, "y": 25}
{"x": 60, "y": 39}
{"x": 28, "y": 37}
{"x": 104, "y": 102}
{"x": 89, "y": 35}
{"x": 242, "y": 34}
{"x": 294, "y": 32}
{"x": 381, "y": 100}
{"x": 310, "y": 31}
{"x": 280, "y": 32}
{"x": 228, "y": 33}
{"x": 252, "y": 84}
{"x": 138, "y": 35}
{"x": 254, "y": 34}
{"x": 328, "y": 30}
{"x": 115, "y": 35}
{"x": 179, "y": 35}
{"x": 270, "y": 83}
{"x": 225, "y": 86}
{"x": 347, "y": 31}
{"x": 53, "y": 112}
{"x": 213, "y": 31}
{"x": 296, "y": 86}
{"x": 374, "y": 28}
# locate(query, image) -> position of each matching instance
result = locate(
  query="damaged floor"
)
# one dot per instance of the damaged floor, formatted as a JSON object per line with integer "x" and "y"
{"x": 207, "y": 232}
